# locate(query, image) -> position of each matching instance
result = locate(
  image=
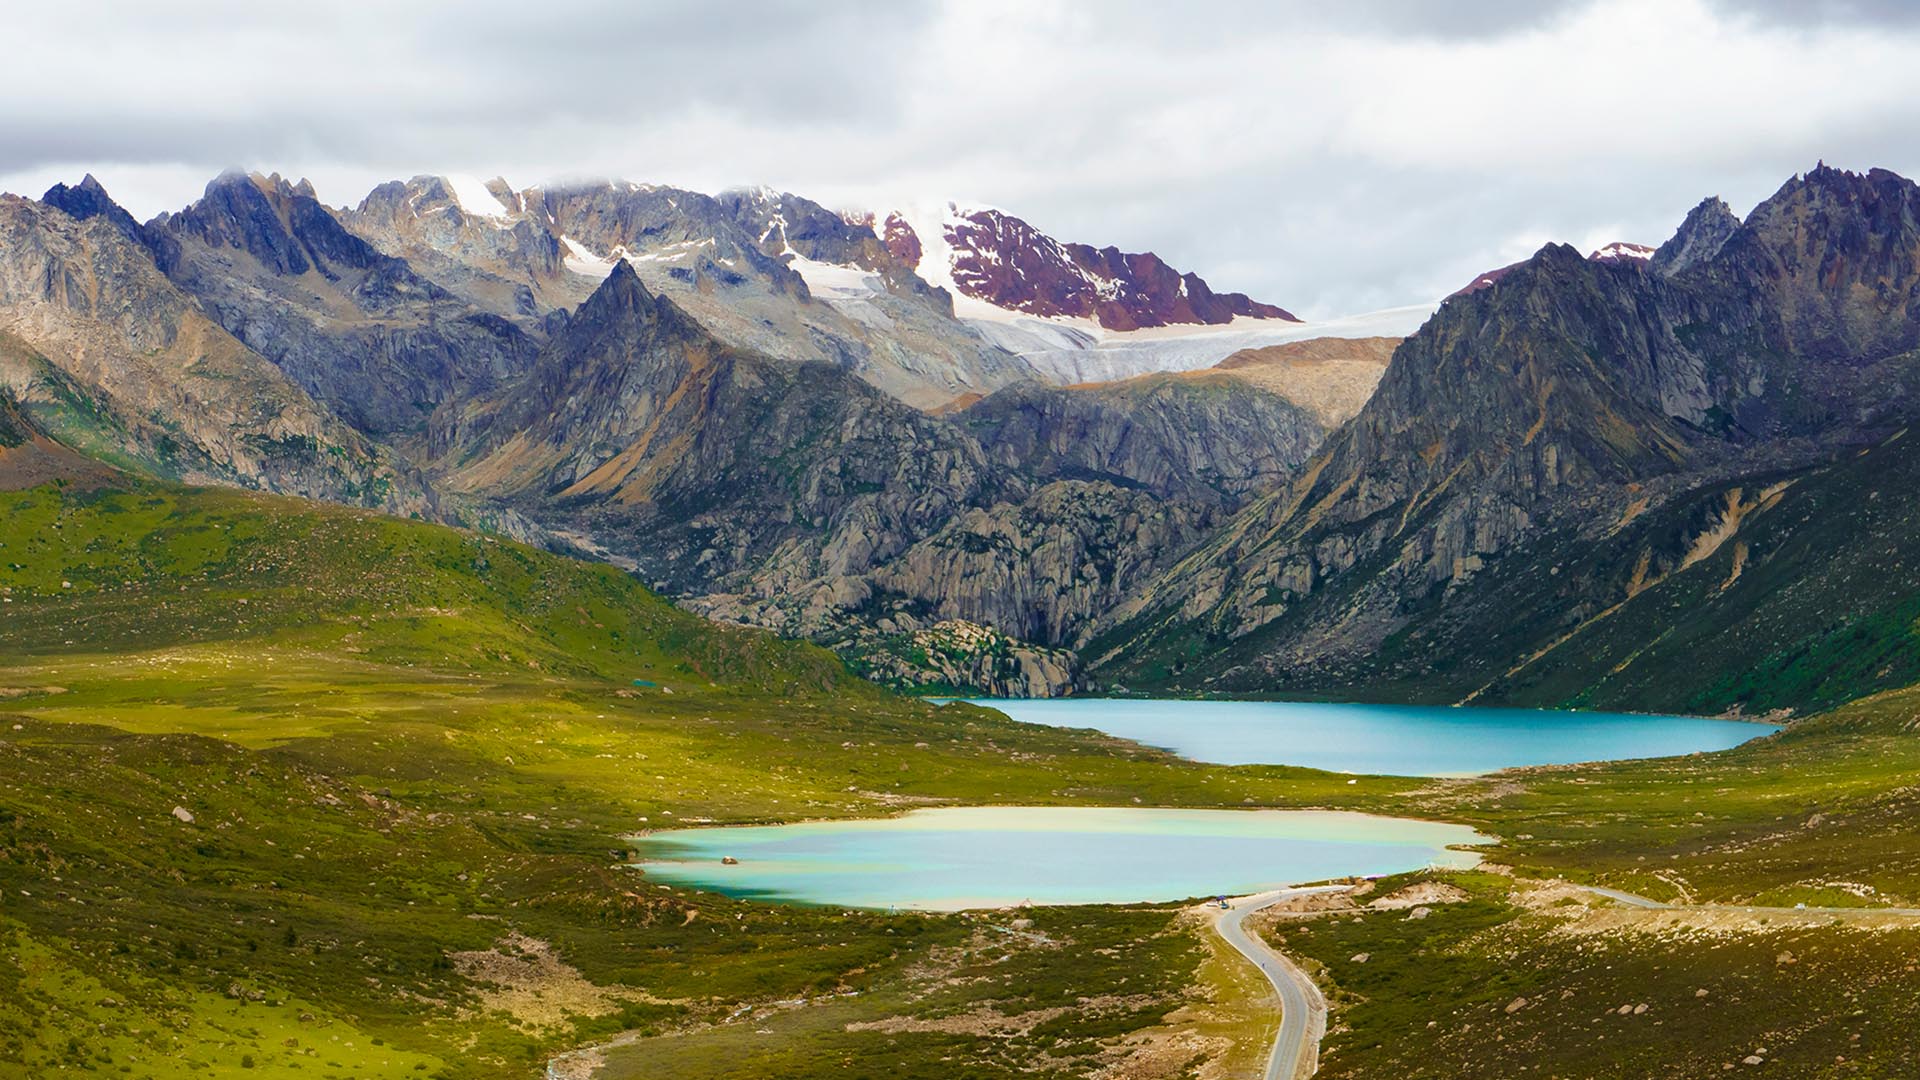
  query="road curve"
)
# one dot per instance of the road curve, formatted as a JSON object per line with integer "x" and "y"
{"x": 1303, "y": 1012}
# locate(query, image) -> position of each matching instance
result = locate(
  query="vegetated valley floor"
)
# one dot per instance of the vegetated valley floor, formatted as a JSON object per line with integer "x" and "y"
{"x": 288, "y": 789}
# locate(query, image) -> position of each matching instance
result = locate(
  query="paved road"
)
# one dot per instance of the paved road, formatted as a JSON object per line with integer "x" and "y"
{"x": 1303, "y": 1012}
{"x": 1627, "y": 898}
{"x": 1636, "y": 900}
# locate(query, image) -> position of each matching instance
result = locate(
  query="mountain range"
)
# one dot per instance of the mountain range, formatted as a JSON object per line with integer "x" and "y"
{"x": 1684, "y": 463}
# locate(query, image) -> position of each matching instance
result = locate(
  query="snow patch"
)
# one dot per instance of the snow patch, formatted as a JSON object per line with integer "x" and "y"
{"x": 829, "y": 281}
{"x": 1621, "y": 249}
{"x": 582, "y": 261}
{"x": 931, "y": 222}
{"x": 1081, "y": 350}
{"x": 474, "y": 198}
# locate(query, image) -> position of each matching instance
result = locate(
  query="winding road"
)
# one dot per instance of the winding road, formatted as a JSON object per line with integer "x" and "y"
{"x": 1303, "y": 1012}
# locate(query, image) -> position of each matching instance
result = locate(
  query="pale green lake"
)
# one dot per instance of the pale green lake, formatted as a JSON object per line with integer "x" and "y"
{"x": 956, "y": 858}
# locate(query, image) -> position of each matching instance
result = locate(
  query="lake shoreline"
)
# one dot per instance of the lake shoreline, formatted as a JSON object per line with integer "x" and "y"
{"x": 1776, "y": 718}
{"x": 980, "y": 857}
{"x": 1363, "y": 740}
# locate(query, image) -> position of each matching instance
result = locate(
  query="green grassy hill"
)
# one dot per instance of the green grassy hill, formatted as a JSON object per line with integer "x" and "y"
{"x": 282, "y": 783}
{"x": 290, "y": 789}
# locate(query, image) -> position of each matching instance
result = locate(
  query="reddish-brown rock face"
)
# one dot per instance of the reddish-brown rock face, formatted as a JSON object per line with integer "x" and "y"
{"x": 1002, "y": 260}
{"x": 900, "y": 240}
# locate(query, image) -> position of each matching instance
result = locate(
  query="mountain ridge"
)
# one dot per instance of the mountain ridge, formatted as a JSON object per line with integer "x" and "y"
{"x": 1571, "y": 401}
{"x": 1232, "y": 529}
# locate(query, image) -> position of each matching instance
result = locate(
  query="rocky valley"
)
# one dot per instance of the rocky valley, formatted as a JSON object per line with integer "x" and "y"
{"x": 959, "y": 541}
{"x": 748, "y": 400}
{"x": 784, "y": 418}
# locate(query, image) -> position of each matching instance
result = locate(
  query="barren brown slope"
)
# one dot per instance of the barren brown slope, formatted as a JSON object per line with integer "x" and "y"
{"x": 1329, "y": 377}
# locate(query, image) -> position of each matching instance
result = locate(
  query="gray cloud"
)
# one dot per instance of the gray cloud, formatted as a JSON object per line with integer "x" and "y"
{"x": 1329, "y": 158}
{"x": 1901, "y": 13}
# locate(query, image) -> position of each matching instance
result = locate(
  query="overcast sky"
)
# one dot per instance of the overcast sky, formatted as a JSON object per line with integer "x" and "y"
{"x": 1330, "y": 163}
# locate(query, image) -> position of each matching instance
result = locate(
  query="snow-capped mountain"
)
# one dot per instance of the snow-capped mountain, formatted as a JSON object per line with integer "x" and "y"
{"x": 1072, "y": 312}
{"x": 527, "y": 253}
{"x": 1622, "y": 251}
{"x": 929, "y": 303}
{"x": 995, "y": 265}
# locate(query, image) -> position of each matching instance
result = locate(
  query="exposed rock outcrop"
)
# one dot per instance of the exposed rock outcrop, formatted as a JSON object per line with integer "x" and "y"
{"x": 962, "y": 657}
{"x": 1576, "y": 406}
{"x": 109, "y": 357}
{"x": 361, "y": 330}
{"x": 799, "y": 498}
{"x": 509, "y": 264}
{"x": 999, "y": 260}
{"x": 1205, "y": 441}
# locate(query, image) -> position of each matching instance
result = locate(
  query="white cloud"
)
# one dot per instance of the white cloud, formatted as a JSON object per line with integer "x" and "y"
{"x": 1327, "y": 162}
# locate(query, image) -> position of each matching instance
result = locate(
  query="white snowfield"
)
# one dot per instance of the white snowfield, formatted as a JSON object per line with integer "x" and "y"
{"x": 829, "y": 281}
{"x": 1080, "y": 350}
{"x": 1070, "y": 350}
{"x": 474, "y": 198}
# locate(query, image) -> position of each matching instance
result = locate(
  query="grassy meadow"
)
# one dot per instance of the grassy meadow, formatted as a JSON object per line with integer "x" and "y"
{"x": 296, "y": 790}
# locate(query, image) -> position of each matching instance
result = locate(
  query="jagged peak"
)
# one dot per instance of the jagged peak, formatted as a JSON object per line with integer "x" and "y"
{"x": 621, "y": 291}
{"x": 1701, "y": 235}
{"x": 89, "y": 199}
{"x": 272, "y": 186}
{"x": 280, "y": 222}
{"x": 82, "y": 200}
{"x": 1842, "y": 184}
{"x": 230, "y": 176}
{"x": 1713, "y": 206}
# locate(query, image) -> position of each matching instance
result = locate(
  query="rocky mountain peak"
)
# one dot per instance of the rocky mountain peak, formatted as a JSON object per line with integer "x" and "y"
{"x": 622, "y": 293}
{"x": 1622, "y": 251}
{"x": 89, "y": 199}
{"x": 82, "y": 200}
{"x": 1700, "y": 236}
{"x": 1002, "y": 261}
{"x": 1836, "y": 254}
{"x": 1834, "y": 203}
{"x": 625, "y": 321}
{"x": 1524, "y": 369}
{"x": 280, "y": 224}
{"x": 899, "y": 238}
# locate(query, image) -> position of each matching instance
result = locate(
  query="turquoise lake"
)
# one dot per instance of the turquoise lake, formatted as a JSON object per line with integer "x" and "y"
{"x": 951, "y": 859}
{"x": 1394, "y": 740}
